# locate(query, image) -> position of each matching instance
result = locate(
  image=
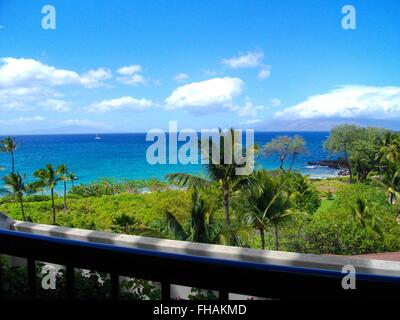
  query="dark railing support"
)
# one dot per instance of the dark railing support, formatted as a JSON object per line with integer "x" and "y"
{"x": 165, "y": 291}
{"x": 114, "y": 286}
{"x": 70, "y": 279}
{"x": 224, "y": 275}
{"x": 223, "y": 295}
{"x": 32, "y": 278}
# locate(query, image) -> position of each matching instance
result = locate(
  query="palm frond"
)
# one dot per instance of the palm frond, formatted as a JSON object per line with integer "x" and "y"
{"x": 175, "y": 227}
{"x": 188, "y": 180}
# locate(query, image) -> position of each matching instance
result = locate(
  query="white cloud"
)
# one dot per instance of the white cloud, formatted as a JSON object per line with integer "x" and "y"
{"x": 131, "y": 75}
{"x": 129, "y": 70}
{"x": 248, "y": 110}
{"x": 127, "y": 102}
{"x": 249, "y": 60}
{"x": 22, "y": 120}
{"x": 264, "y": 73}
{"x": 95, "y": 78}
{"x": 252, "y": 121}
{"x": 211, "y": 73}
{"x": 275, "y": 102}
{"x": 181, "y": 77}
{"x": 348, "y": 102}
{"x": 24, "y": 83}
{"x": 212, "y": 92}
{"x": 80, "y": 122}
{"x": 134, "y": 79}
{"x": 56, "y": 105}
{"x": 29, "y": 73}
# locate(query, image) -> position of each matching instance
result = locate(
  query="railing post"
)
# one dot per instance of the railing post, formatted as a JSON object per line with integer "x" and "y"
{"x": 32, "y": 278}
{"x": 70, "y": 279}
{"x": 165, "y": 291}
{"x": 223, "y": 295}
{"x": 1, "y": 272}
{"x": 114, "y": 278}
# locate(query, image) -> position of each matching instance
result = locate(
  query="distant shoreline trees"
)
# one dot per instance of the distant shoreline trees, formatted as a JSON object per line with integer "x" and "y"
{"x": 286, "y": 148}
{"x": 9, "y": 145}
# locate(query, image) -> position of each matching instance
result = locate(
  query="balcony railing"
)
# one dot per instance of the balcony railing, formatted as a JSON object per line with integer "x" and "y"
{"x": 273, "y": 275}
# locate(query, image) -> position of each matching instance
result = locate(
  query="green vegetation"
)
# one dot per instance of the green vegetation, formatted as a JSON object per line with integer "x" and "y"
{"x": 89, "y": 285}
{"x": 279, "y": 209}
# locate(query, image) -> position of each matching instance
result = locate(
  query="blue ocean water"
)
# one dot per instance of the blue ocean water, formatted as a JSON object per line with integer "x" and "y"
{"x": 123, "y": 156}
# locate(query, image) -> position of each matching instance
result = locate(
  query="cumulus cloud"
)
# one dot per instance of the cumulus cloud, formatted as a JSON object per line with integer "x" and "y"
{"x": 56, "y": 105}
{"x": 264, "y": 73}
{"x": 348, "y": 102}
{"x": 249, "y": 109}
{"x": 212, "y": 92}
{"x": 95, "y": 78}
{"x": 275, "y": 102}
{"x": 30, "y": 73}
{"x": 129, "y": 70}
{"x": 131, "y": 75}
{"x": 123, "y": 103}
{"x": 22, "y": 120}
{"x": 248, "y": 60}
{"x": 252, "y": 121}
{"x": 25, "y": 83}
{"x": 181, "y": 77}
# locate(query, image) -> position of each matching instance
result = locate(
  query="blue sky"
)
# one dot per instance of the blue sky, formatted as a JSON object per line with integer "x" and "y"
{"x": 130, "y": 66}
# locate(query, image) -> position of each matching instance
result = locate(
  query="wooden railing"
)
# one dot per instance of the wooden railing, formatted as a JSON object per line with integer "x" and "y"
{"x": 225, "y": 276}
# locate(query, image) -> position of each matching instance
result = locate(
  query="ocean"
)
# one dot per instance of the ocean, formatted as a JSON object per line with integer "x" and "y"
{"x": 123, "y": 156}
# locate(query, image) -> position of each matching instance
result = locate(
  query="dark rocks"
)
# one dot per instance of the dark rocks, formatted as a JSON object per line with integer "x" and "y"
{"x": 343, "y": 172}
{"x": 340, "y": 164}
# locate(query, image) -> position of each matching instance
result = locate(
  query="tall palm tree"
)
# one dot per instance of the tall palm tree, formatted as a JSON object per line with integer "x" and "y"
{"x": 391, "y": 180}
{"x": 222, "y": 171}
{"x": 199, "y": 227}
{"x": 266, "y": 206}
{"x": 16, "y": 186}
{"x": 62, "y": 170}
{"x": 48, "y": 178}
{"x": 388, "y": 153}
{"x": 9, "y": 145}
{"x": 203, "y": 228}
{"x": 365, "y": 216}
{"x": 72, "y": 178}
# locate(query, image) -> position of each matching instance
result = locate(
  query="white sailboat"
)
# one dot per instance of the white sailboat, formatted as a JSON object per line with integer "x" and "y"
{"x": 97, "y": 137}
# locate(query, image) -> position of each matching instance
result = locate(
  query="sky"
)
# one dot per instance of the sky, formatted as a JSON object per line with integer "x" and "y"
{"x": 132, "y": 66}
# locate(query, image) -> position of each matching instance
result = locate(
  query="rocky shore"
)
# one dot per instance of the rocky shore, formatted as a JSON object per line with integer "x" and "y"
{"x": 339, "y": 164}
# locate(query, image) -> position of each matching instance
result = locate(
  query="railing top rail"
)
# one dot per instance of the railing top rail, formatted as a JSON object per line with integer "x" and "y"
{"x": 189, "y": 258}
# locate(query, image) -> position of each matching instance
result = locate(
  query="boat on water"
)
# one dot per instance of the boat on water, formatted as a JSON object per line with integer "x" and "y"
{"x": 97, "y": 137}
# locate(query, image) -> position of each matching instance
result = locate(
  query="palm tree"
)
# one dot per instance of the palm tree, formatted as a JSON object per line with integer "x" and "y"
{"x": 16, "y": 186}
{"x": 222, "y": 171}
{"x": 365, "y": 216}
{"x": 388, "y": 153}
{"x": 203, "y": 228}
{"x": 124, "y": 223}
{"x": 62, "y": 170}
{"x": 72, "y": 177}
{"x": 9, "y": 145}
{"x": 48, "y": 178}
{"x": 266, "y": 205}
{"x": 199, "y": 227}
{"x": 391, "y": 180}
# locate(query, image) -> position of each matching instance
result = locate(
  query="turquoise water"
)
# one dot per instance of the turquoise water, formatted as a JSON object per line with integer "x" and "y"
{"x": 123, "y": 156}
